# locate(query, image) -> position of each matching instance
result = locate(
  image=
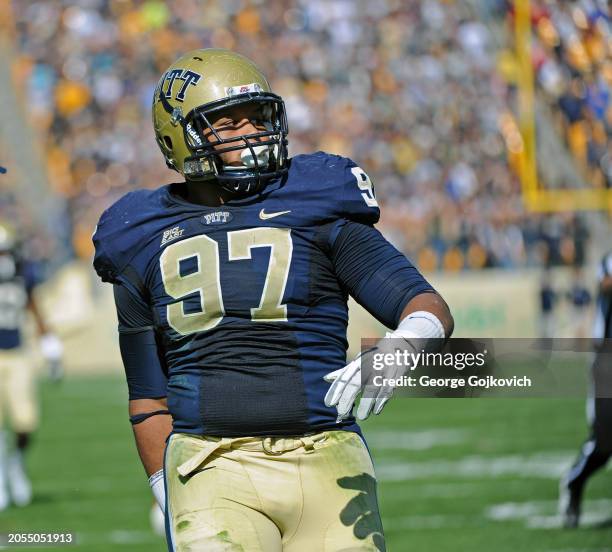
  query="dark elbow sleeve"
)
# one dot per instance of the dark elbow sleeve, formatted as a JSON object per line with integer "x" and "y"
{"x": 145, "y": 374}
{"x": 144, "y": 369}
{"x": 377, "y": 275}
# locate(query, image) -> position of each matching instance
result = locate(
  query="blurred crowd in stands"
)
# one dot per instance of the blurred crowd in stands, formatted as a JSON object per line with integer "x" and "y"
{"x": 572, "y": 56}
{"x": 409, "y": 89}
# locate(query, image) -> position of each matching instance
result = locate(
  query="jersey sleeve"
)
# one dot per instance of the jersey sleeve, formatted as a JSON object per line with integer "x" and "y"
{"x": 120, "y": 232}
{"x": 144, "y": 368}
{"x": 103, "y": 264}
{"x": 376, "y": 275}
{"x": 358, "y": 195}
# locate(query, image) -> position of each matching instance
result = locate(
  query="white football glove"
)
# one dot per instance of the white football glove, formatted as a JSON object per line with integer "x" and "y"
{"x": 346, "y": 382}
{"x": 156, "y": 481}
{"x": 345, "y": 386}
{"x": 51, "y": 347}
{"x": 52, "y": 350}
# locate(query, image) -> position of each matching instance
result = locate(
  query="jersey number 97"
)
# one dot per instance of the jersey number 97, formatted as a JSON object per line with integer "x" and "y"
{"x": 208, "y": 282}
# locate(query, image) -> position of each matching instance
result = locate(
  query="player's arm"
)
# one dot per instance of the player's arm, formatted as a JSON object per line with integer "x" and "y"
{"x": 430, "y": 302}
{"x": 382, "y": 279}
{"x": 146, "y": 378}
{"x": 151, "y": 433}
{"x": 50, "y": 345}
{"x": 376, "y": 274}
{"x": 32, "y": 306}
{"x": 384, "y": 282}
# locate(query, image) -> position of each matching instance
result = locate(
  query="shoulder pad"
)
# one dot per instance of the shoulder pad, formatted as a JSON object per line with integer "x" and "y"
{"x": 338, "y": 185}
{"x": 119, "y": 232}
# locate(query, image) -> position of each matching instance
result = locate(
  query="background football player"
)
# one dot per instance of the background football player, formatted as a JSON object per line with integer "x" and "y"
{"x": 231, "y": 290}
{"x": 596, "y": 451}
{"x": 17, "y": 388}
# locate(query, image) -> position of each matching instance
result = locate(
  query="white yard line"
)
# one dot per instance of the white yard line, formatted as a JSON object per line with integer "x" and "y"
{"x": 452, "y": 489}
{"x": 539, "y": 514}
{"x": 430, "y": 522}
{"x": 542, "y": 514}
{"x": 417, "y": 440}
{"x": 545, "y": 465}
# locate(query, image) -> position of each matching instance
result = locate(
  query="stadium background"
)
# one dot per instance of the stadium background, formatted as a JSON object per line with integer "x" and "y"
{"x": 465, "y": 113}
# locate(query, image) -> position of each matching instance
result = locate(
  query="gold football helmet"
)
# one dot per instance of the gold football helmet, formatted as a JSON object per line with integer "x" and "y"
{"x": 200, "y": 84}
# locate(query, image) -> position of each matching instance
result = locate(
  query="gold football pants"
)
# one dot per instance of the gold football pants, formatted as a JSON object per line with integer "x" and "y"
{"x": 18, "y": 391}
{"x": 313, "y": 493}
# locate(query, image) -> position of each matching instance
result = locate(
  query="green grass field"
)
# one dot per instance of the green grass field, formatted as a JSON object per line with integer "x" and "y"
{"x": 455, "y": 474}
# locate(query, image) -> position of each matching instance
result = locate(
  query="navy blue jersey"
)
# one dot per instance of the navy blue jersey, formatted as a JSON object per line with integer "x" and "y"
{"x": 247, "y": 306}
{"x": 17, "y": 279}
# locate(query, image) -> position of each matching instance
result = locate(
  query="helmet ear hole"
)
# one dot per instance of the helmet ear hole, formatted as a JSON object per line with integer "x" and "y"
{"x": 167, "y": 141}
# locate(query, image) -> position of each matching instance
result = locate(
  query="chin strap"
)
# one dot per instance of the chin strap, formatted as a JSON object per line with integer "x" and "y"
{"x": 248, "y": 184}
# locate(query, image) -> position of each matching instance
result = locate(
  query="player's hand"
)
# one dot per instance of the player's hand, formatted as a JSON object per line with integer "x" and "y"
{"x": 51, "y": 347}
{"x": 419, "y": 331}
{"x": 345, "y": 386}
{"x": 347, "y": 382}
{"x": 52, "y": 350}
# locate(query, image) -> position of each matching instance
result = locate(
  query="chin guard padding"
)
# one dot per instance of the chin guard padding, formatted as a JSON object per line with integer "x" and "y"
{"x": 261, "y": 158}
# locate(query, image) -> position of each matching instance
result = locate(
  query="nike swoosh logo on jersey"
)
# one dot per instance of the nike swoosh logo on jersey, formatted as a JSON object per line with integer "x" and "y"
{"x": 266, "y": 216}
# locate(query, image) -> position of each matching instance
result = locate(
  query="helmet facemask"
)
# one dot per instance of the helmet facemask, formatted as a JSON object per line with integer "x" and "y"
{"x": 264, "y": 152}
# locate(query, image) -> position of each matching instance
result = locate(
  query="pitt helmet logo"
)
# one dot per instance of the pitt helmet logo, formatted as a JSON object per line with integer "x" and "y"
{"x": 188, "y": 77}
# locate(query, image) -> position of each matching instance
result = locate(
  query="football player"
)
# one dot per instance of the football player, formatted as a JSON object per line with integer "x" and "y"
{"x": 231, "y": 291}
{"x": 596, "y": 451}
{"x": 17, "y": 392}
